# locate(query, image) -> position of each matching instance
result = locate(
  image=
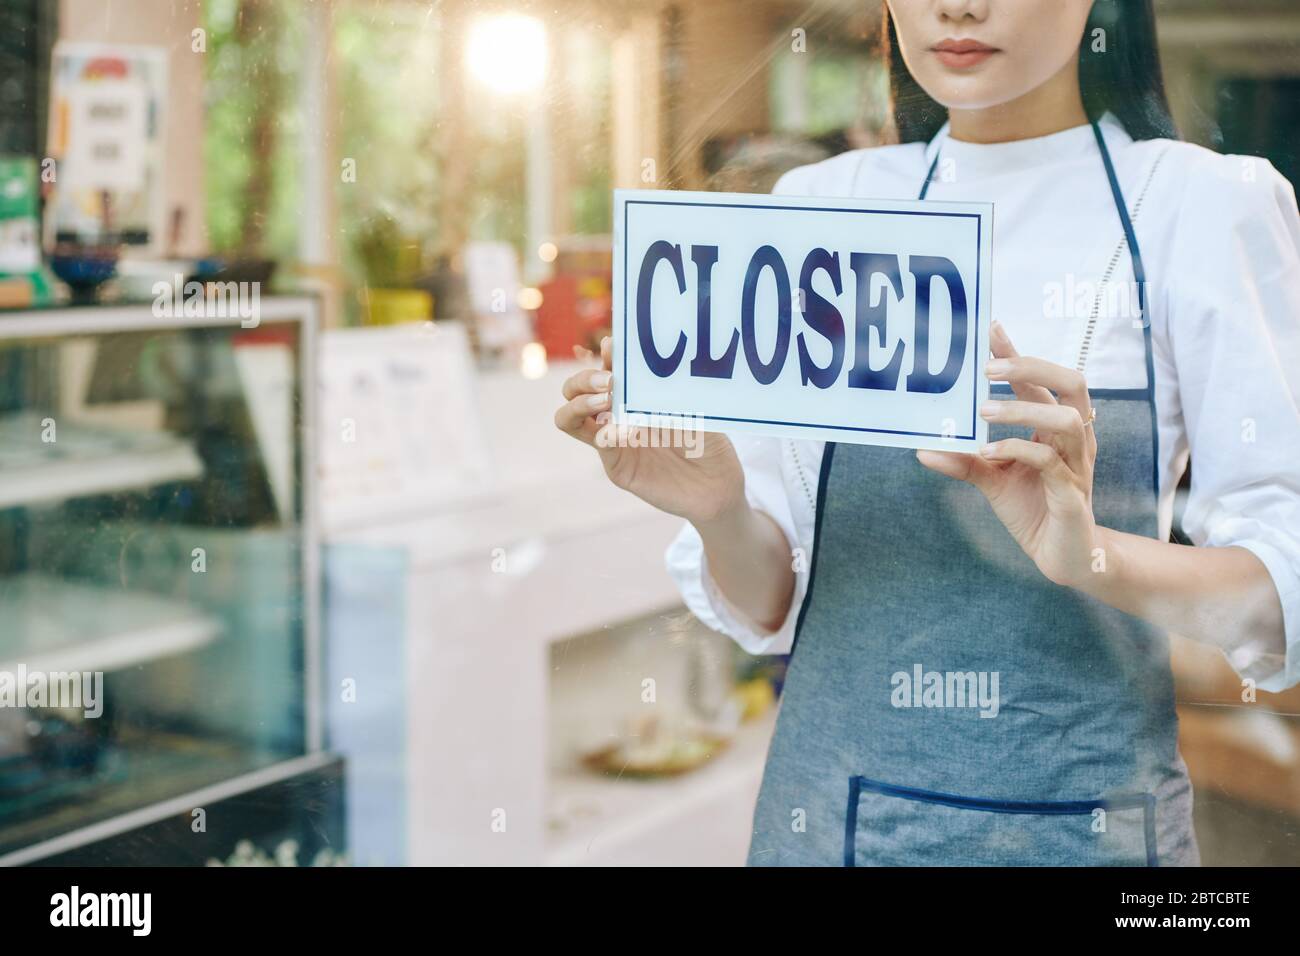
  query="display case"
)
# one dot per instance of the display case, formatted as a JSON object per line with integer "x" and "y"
{"x": 158, "y": 633}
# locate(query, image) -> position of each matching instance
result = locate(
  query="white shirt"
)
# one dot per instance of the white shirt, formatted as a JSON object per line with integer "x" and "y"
{"x": 1220, "y": 241}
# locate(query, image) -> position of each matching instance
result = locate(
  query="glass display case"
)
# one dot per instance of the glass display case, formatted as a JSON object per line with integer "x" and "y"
{"x": 157, "y": 561}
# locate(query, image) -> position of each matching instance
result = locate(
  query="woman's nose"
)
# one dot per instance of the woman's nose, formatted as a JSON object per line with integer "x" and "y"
{"x": 958, "y": 10}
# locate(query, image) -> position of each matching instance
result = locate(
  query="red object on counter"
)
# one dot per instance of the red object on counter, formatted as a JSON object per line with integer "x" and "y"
{"x": 558, "y": 328}
{"x": 575, "y": 310}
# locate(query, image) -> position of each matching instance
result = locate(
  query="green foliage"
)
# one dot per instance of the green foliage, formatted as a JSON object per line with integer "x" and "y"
{"x": 388, "y": 257}
{"x": 386, "y": 60}
{"x": 391, "y": 132}
{"x": 251, "y": 184}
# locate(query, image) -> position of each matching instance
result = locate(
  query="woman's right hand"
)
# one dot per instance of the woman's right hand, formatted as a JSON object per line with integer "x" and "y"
{"x": 702, "y": 483}
{"x": 748, "y": 555}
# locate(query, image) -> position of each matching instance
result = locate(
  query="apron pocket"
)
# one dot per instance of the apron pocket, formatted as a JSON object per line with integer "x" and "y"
{"x": 889, "y": 825}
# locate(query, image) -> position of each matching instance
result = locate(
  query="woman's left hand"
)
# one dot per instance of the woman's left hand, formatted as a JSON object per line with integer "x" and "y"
{"x": 1040, "y": 487}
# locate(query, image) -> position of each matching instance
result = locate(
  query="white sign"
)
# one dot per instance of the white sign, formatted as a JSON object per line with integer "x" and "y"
{"x": 107, "y": 132}
{"x": 107, "y": 129}
{"x": 402, "y": 432}
{"x": 848, "y": 320}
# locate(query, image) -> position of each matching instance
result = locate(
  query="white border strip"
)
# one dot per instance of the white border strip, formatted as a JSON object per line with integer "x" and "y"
{"x": 80, "y": 320}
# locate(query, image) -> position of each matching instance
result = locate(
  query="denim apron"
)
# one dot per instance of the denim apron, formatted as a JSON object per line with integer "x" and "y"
{"x": 945, "y": 703}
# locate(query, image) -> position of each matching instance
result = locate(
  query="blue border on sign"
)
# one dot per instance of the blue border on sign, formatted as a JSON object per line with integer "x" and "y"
{"x": 979, "y": 240}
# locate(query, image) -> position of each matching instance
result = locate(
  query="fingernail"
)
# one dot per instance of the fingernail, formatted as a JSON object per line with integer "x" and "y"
{"x": 601, "y": 380}
{"x": 599, "y": 400}
{"x": 989, "y": 451}
{"x": 989, "y": 410}
{"x": 997, "y": 367}
{"x": 997, "y": 329}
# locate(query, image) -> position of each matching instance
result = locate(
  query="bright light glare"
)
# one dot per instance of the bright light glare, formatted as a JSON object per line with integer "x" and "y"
{"x": 507, "y": 52}
{"x": 532, "y": 360}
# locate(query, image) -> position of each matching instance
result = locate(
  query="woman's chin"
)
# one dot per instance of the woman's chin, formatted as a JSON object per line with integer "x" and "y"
{"x": 971, "y": 93}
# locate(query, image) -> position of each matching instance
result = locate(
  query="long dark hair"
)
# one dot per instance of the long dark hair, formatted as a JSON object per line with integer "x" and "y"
{"x": 1124, "y": 80}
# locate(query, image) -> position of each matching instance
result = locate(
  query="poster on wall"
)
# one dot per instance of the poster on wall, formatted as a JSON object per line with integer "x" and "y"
{"x": 107, "y": 110}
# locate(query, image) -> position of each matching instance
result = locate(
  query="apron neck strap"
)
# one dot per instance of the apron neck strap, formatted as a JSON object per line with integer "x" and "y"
{"x": 1139, "y": 273}
{"x": 1140, "y": 278}
{"x": 929, "y": 177}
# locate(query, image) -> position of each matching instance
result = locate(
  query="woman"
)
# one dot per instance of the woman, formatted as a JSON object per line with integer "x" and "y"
{"x": 981, "y": 673}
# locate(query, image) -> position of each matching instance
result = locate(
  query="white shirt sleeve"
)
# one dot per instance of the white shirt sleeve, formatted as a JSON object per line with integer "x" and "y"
{"x": 1234, "y": 331}
{"x": 780, "y": 481}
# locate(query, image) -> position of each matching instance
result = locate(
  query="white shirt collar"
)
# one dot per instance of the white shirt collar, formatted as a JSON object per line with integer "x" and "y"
{"x": 978, "y": 160}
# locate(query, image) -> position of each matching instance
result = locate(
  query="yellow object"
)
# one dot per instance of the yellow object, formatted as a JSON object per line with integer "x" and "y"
{"x": 756, "y": 697}
{"x": 396, "y": 306}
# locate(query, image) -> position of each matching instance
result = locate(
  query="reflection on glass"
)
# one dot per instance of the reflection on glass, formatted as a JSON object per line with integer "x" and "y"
{"x": 151, "y": 578}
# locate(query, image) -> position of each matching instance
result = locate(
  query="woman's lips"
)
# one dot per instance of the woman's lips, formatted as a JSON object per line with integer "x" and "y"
{"x": 962, "y": 54}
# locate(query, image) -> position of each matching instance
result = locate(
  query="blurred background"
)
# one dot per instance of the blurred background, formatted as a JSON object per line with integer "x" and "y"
{"x": 354, "y": 600}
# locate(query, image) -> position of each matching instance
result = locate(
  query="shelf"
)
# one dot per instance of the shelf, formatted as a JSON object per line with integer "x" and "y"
{"x": 138, "y": 771}
{"x": 85, "y": 460}
{"x": 48, "y": 624}
{"x": 701, "y": 818}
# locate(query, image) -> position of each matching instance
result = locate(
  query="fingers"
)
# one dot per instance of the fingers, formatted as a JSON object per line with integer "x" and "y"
{"x": 1042, "y": 458}
{"x": 957, "y": 465}
{"x": 588, "y": 395}
{"x": 949, "y": 463}
{"x": 1069, "y": 385}
{"x": 584, "y": 354}
{"x": 1002, "y": 348}
{"x": 578, "y": 416}
{"x": 586, "y": 381}
{"x": 1060, "y": 424}
{"x": 1032, "y": 378}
